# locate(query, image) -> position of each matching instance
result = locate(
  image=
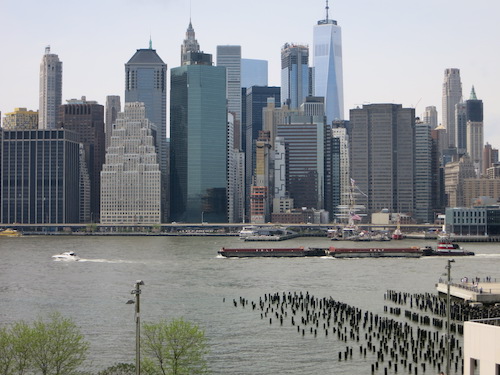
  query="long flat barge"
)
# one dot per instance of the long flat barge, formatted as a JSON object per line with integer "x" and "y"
{"x": 376, "y": 252}
{"x": 271, "y": 252}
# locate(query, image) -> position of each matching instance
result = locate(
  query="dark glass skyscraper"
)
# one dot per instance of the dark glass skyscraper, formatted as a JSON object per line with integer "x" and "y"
{"x": 198, "y": 143}
{"x": 146, "y": 82}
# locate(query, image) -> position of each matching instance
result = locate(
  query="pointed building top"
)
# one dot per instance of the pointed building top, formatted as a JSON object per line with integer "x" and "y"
{"x": 190, "y": 43}
{"x": 473, "y": 94}
{"x": 327, "y": 8}
{"x": 150, "y": 42}
{"x": 327, "y": 20}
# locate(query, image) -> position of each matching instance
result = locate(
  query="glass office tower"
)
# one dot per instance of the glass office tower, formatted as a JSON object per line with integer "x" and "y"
{"x": 198, "y": 139}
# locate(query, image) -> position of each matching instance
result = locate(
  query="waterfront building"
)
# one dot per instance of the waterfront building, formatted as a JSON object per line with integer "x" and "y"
{"x": 235, "y": 176}
{"x": 340, "y": 131}
{"x": 198, "y": 142}
{"x": 482, "y": 347}
{"x": 190, "y": 44}
{"x": 230, "y": 58}
{"x": 382, "y": 153}
{"x": 86, "y": 118}
{"x": 254, "y": 73}
{"x": 455, "y": 173}
{"x": 423, "y": 173}
{"x": 20, "y": 119}
{"x": 430, "y": 116}
{"x": 294, "y": 74}
{"x": 451, "y": 96}
{"x": 261, "y": 187}
{"x": 328, "y": 73}
{"x": 437, "y": 174}
{"x": 146, "y": 82}
{"x": 40, "y": 174}
{"x": 473, "y": 221}
{"x": 461, "y": 126}
{"x": 113, "y": 107}
{"x": 131, "y": 177}
{"x": 50, "y": 93}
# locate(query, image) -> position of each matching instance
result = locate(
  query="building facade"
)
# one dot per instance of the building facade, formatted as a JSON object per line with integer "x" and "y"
{"x": 254, "y": 72}
{"x": 20, "y": 119}
{"x": 50, "y": 93}
{"x": 131, "y": 177}
{"x": 328, "y": 72}
{"x": 455, "y": 174}
{"x": 86, "y": 118}
{"x": 40, "y": 177}
{"x": 423, "y": 173}
{"x": 452, "y": 95}
{"x": 146, "y": 82}
{"x": 294, "y": 74}
{"x": 229, "y": 57}
{"x": 113, "y": 107}
{"x": 382, "y": 153}
{"x": 198, "y": 143}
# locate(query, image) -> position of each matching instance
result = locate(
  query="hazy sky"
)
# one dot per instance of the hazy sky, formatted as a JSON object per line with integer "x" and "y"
{"x": 393, "y": 50}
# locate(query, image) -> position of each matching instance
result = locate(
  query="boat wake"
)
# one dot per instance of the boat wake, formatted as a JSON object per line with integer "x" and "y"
{"x": 488, "y": 255}
{"x": 106, "y": 261}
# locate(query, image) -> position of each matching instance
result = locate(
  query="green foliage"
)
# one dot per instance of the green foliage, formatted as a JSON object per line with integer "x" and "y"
{"x": 119, "y": 369}
{"x": 174, "y": 348}
{"x": 55, "y": 347}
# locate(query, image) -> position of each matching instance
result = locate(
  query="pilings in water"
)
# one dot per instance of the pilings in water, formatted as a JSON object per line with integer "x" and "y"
{"x": 391, "y": 345}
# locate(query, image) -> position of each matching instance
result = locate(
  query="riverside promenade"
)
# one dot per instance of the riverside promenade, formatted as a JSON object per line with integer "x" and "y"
{"x": 478, "y": 291}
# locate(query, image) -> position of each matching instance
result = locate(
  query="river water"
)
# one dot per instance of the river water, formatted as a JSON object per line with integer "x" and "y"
{"x": 184, "y": 277}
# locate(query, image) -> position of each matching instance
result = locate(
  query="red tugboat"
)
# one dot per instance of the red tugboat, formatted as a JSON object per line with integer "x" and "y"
{"x": 446, "y": 247}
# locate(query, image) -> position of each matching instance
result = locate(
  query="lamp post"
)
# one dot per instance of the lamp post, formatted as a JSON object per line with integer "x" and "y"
{"x": 448, "y": 308}
{"x": 137, "y": 292}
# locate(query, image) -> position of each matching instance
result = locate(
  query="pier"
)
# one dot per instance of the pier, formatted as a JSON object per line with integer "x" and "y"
{"x": 486, "y": 292}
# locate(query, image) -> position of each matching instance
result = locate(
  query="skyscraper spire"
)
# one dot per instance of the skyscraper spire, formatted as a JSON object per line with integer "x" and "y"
{"x": 150, "y": 42}
{"x": 327, "y": 8}
{"x": 190, "y": 43}
{"x": 473, "y": 95}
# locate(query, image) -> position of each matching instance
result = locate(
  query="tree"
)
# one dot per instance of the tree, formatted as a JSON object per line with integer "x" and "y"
{"x": 14, "y": 349}
{"x": 57, "y": 346}
{"x": 174, "y": 348}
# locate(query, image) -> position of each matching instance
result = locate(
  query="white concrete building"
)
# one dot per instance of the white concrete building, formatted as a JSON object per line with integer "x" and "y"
{"x": 130, "y": 178}
{"x": 482, "y": 347}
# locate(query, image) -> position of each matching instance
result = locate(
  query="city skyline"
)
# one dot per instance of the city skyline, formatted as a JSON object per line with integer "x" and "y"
{"x": 392, "y": 52}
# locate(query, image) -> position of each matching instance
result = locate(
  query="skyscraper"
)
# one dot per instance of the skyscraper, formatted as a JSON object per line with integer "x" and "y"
{"x": 146, "y": 82}
{"x": 383, "y": 156}
{"x": 113, "y": 107}
{"x": 430, "y": 117}
{"x": 452, "y": 95}
{"x": 230, "y": 58}
{"x": 328, "y": 74}
{"x": 198, "y": 142}
{"x": 190, "y": 44}
{"x": 86, "y": 119}
{"x": 50, "y": 90}
{"x": 254, "y": 72}
{"x": 423, "y": 173}
{"x": 130, "y": 188}
{"x": 294, "y": 74}
{"x": 40, "y": 174}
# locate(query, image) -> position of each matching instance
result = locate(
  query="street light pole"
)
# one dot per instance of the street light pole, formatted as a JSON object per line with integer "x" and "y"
{"x": 137, "y": 292}
{"x": 448, "y": 308}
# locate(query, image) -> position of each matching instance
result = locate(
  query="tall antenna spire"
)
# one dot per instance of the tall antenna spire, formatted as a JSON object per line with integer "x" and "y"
{"x": 150, "y": 42}
{"x": 327, "y": 8}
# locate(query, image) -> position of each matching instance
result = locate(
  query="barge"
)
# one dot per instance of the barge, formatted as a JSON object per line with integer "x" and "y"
{"x": 272, "y": 252}
{"x": 376, "y": 252}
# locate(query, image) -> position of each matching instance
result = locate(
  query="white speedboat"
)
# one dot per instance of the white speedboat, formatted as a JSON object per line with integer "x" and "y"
{"x": 67, "y": 255}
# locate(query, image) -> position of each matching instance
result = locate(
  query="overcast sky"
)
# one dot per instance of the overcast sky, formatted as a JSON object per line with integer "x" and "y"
{"x": 394, "y": 51}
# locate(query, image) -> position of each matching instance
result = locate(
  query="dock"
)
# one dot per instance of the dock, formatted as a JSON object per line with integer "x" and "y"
{"x": 484, "y": 292}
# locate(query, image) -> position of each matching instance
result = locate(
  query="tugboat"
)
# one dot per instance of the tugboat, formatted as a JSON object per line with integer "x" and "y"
{"x": 446, "y": 247}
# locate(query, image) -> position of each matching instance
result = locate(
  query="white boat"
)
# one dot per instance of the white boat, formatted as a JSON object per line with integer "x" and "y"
{"x": 67, "y": 255}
